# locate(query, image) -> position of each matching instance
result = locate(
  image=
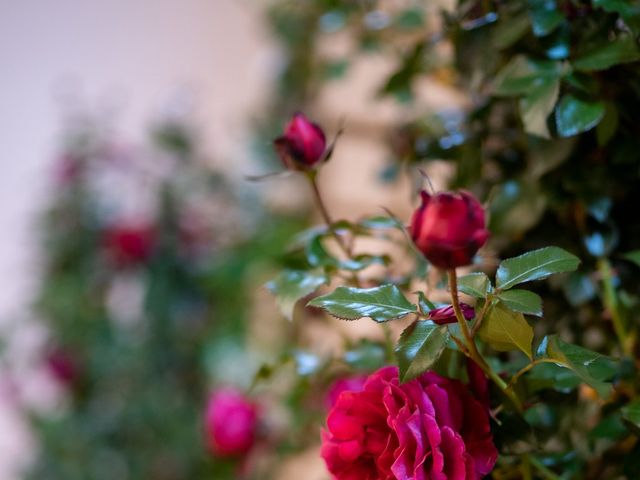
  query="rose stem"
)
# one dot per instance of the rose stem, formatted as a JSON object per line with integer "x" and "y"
{"x": 525, "y": 468}
{"x": 611, "y": 303}
{"x": 327, "y": 219}
{"x": 473, "y": 352}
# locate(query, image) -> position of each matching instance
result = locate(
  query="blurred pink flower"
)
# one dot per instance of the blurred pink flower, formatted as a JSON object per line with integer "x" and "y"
{"x": 62, "y": 365}
{"x": 231, "y": 423}
{"x": 129, "y": 244}
{"x": 430, "y": 428}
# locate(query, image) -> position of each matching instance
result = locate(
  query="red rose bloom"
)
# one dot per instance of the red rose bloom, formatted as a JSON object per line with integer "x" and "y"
{"x": 444, "y": 315}
{"x": 449, "y": 228}
{"x": 344, "y": 384}
{"x": 430, "y": 428}
{"x": 231, "y": 423}
{"x": 303, "y": 144}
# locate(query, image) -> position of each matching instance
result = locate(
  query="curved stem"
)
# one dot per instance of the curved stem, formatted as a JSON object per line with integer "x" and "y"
{"x": 311, "y": 176}
{"x": 611, "y": 303}
{"x": 473, "y": 351}
{"x": 526, "y": 368}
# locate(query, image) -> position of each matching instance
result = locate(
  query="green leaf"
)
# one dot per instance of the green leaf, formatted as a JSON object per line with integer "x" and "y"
{"x": 382, "y": 223}
{"x": 545, "y": 17}
{"x": 522, "y": 301}
{"x": 292, "y": 285}
{"x": 410, "y": 19}
{"x": 631, "y": 413}
{"x": 628, "y": 10}
{"x": 506, "y": 330}
{"x": 419, "y": 347}
{"x": 424, "y": 303}
{"x": 633, "y": 256}
{"x": 535, "y": 265}
{"x": 474, "y": 284}
{"x": 536, "y": 107}
{"x": 522, "y": 74}
{"x": 379, "y": 303}
{"x": 622, "y": 50}
{"x": 574, "y": 115}
{"x": 366, "y": 355}
{"x": 591, "y": 367}
{"x": 319, "y": 256}
{"x": 509, "y": 30}
{"x": 623, "y": 7}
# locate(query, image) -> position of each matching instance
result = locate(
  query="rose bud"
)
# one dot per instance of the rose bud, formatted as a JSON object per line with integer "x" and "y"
{"x": 449, "y": 228}
{"x": 303, "y": 144}
{"x": 128, "y": 245}
{"x": 444, "y": 315}
{"x": 231, "y": 423}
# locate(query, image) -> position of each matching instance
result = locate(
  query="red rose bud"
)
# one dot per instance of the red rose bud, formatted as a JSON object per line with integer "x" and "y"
{"x": 444, "y": 315}
{"x": 449, "y": 228}
{"x": 129, "y": 245}
{"x": 303, "y": 144}
{"x": 231, "y": 423}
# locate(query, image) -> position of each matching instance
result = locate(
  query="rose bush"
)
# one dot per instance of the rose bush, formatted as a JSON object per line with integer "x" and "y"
{"x": 429, "y": 428}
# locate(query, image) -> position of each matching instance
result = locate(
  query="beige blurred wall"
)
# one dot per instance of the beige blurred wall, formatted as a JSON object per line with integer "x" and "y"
{"x": 133, "y": 59}
{"x": 130, "y": 59}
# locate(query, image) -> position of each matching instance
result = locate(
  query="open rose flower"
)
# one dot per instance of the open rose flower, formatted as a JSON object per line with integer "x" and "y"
{"x": 444, "y": 315}
{"x": 449, "y": 228}
{"x": 303, "y": 144}
{"x": 231, "y": 423}
{"x": 431, "y": 428}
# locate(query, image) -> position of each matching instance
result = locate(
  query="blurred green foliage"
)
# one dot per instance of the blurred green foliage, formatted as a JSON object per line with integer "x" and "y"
{"x": 139, "y": 384}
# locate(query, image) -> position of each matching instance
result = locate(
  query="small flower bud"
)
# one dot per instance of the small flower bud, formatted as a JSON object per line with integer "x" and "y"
{"x": 303, "y": 144}
{"x": 444, "y": 315}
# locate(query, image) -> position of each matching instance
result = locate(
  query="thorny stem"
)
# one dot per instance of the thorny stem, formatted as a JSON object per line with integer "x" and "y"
{"x": 611, "y": 303}
{"x": 311, "y": 176}
{"x": 472, "y": 348}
